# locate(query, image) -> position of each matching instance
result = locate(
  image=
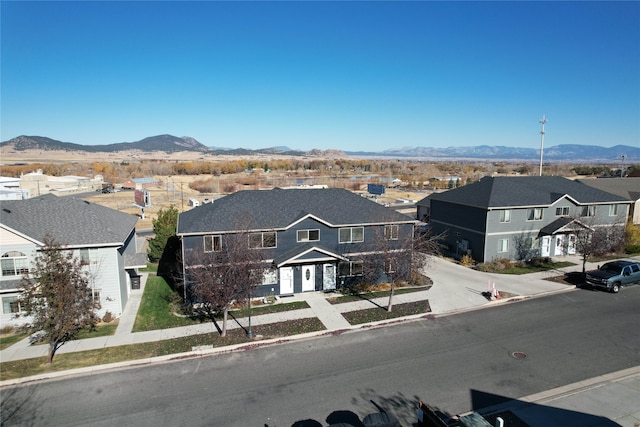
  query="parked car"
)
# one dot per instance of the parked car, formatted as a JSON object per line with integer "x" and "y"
{"x": 614, "y": 275}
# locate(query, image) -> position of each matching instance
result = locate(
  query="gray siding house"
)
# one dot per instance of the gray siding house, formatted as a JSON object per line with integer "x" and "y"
{"x": 497, "y": 217}
{"x": 312, "y": 239}
{"x": 102, "y": 237}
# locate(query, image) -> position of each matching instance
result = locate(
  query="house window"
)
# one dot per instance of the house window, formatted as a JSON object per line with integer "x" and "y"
{"x": 89, "y": 256}
{"x": 588, "y": 211}
{"x": 503, "y": 245}
{"x": 14, "y": 263}
{"x": 562, "y": 211}
{"x": 94, "y": 295}
{"x": 11, "y": 305}
{"x": 270, "y": 276}
{"x": 613, "y": 210}
{"x": 534, "y": 214}
{"x": 212, "y": 243}
{"x": 266, "y": 239}
{"x": 391, "y": 232}
{"x": 505, "y": 216}
{"x": 308, "y": 235}
{"x": 353, "y": 268}
{"x": 351, "y": 235}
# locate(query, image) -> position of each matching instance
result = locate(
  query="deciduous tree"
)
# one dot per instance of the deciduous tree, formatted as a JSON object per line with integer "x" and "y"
{"x": 56, "y": 294}
{"x": 224, "y": 274}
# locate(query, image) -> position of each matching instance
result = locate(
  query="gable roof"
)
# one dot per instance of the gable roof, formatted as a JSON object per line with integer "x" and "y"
{"x": 624, "y": 187}
{"x": 519, "y": 191}
{"x": 280, "y": 208}
{"x": 69, "y": 221}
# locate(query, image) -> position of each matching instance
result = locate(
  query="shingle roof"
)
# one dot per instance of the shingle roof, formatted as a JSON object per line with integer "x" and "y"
{"x": 506, "y": 191}
{"x": 624, "y": 187}
{"x": 69, "y": 221}
{"x": 278, "y": 208}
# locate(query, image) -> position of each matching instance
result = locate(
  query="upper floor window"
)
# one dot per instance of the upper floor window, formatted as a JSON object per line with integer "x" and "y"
{"x": 213, "y": 243}
{"x": 308, "y": 235}
{"x": 588, "y": 211}
{"x": 562, "y": 211}
{"x": 391, "y": 232}
{"x": 351, "y": 235}
{"x": 505, "y": 215}
{"x": 613, "y": 210}
{"x": 534, "y": 214}
{"x": 266, "y": 239}
{"x": 14, "y": 263}
{"x": 89, "y": 256}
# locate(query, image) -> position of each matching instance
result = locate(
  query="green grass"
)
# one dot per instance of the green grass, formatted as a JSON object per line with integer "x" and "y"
{"x": 375, "y": 314}
{"x": 102, "y": 330}
{"x": 9, "y": 340}
{"x": 64, "y": 361}
{"x": 371, "y": 295}
{"x": 155, "y": 310}
{"x": 152, "y": 267}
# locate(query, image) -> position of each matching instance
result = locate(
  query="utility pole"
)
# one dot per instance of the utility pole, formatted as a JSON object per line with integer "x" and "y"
{"x": 543, "y": 121}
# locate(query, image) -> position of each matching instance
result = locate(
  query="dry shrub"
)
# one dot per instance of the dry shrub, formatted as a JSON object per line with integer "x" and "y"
{"x": 467, "y": 261}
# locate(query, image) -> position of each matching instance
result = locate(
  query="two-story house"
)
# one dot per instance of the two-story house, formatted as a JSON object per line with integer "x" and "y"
{"x": 498, "y": 217}
{"x": 101, "y": 237}
{"x": 312, "y": 239}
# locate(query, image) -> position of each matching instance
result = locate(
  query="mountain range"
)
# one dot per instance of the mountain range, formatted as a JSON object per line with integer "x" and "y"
{"x": 172, "y": 144}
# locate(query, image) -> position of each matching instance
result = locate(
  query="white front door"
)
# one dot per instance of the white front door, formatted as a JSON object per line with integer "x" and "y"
{"x": 571, "y": 247}
{"x": 329, "y": 277}
{"x": 559, "y": 249}
{"x": 308, "y": 278}
{"x": 286, "y": 280}
{"x": 545, "y": 246}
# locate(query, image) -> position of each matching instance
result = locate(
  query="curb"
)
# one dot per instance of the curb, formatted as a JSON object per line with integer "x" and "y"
{"x": 562, "y": 391}
{"x": 195, "y": 354}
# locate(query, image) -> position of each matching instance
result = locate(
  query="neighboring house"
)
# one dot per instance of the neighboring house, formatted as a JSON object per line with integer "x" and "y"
{"x": 313, "y": 239}
{"x": 629, "y": 188}
{"x": 103, "y": 237}
{"x": 37, "y": 184}
{"x": 504, "y": 217}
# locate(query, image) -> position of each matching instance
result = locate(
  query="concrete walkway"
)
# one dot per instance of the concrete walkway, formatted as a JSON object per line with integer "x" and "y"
{"x": 454, "y": 289}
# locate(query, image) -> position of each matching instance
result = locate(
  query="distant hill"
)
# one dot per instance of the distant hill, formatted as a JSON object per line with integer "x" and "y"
{"x": 565, "y": 152}
{"x": 166, "y": 143}
{"x": 172, "y": 144}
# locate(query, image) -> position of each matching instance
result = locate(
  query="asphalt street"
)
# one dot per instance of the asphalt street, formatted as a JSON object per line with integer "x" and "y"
{"x": 456, "y": 363}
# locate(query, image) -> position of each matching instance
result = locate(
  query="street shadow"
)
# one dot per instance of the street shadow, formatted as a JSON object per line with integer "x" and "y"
{"x": 18, "y": 407}
{"x": 526, "y": 414}
{"x": 344, "y": 418}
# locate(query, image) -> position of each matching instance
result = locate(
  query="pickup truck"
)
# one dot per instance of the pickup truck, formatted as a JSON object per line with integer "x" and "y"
{"x": 614, "y": 275}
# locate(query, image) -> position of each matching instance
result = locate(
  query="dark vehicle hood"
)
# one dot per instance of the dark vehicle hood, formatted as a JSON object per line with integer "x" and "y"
{"x": 600, "y": 274}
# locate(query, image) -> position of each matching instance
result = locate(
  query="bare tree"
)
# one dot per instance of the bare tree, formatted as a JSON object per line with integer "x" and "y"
{"x": 398, "y": 256}
{"x": 224, "y": 274}
{"x": 57, "y": 295}
{"x": 593, "y": 240}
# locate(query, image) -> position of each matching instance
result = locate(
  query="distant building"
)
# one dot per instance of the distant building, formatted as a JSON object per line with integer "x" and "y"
{"x": 10, "y": 189}
{"x": 141, "y": 183}
{"x": 37, "y": 184}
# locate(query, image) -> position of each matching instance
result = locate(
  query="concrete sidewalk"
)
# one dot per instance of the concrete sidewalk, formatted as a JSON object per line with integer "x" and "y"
{"x": 454, "y": 289}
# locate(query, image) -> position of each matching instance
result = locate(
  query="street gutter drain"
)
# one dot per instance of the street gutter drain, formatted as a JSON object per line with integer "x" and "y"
{"x": 519, "y": 355}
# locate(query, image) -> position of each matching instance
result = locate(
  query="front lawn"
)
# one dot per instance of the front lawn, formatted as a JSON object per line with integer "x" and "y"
{"x": 9, "y": 339}
{"x": 64, "y": 361}
{"x": 157, "y": 311}
{"x": 506, "y": 266}
{"x": 375, "y": 314}
{"x": 372, "y": 295}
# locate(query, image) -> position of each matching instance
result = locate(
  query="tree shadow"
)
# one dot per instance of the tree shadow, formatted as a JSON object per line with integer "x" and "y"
{"x": 18, "y": 407}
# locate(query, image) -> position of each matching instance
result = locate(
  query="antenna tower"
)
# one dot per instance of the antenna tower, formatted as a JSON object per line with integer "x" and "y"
{"x": 543, "y": 121}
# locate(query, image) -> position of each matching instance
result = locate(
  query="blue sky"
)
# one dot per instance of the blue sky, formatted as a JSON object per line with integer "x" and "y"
{"x": 345, "y": 75}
